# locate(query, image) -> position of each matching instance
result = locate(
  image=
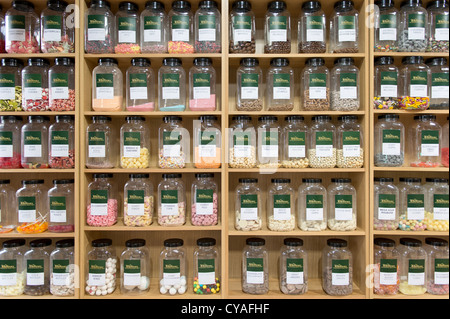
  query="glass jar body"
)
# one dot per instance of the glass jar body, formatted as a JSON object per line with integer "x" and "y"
{"x": 207, "y": 30}
{"x": 138, "y": 202}
{"x": 181, "y": 31}
{"x": 204, "y": 202}
{"x": 172, "y": 89}
{"x": 135, "y": 144}
{"x": 248, "y": 206}
{"x": 413, "y": 29}
{"x": 35, "y": 88}
{"x": 337, "y": 271}
{"x": 312, "y": 31}
{"x": 415, "y": 86}
{"x": 61, "y": 142}
{"x": 22, "y": 30}
{"x": 102, "y": 202}
{"x": 438, "y": 39}
{"x": 312, "y": 206}
{"x": 439, "y": 99}
{"x": 62, "y": 207}
{"x": 172, "y": 271}
{"x": 389, "y": 143}
{"x": 315, "y": 88}
{"x": 202, "y": 88}
{"x": 101, "y": 149}
{"x": 36, "y": 261}
{"x": 128, "y": 32}
{"x": 322, "y": 144}
{"x": 135, "y": 271}
{"x": 56, "y": 35}
{"x": 277, "y": 28}
{"x": 280, "y": 207}
{"x": 174, "y": 151}
{"x": 10, "y": 134}
{"x": 345, "y": 88}
{"x": 11, "y": 93}
{"x": 350, "y": 144}
{"x": 249, "y": 91}
{"x": 62, "y": 271}
{"x": 62, "y": 88}
{"x": 344, "y": 31}
{"x": 13, "y": 285}
{"x": 387, "y": 88}
{"x": 242, "y": 141}
{"x": 107, "y": 88}
{"x": 386, "y": 273}
{"x": 293, "y": 270}
{"x": 342, "y": 206}
{"x": 255, "y": 270}
{"x": 425, "y": 149}
{"x": 100, "y": 30}
{"x": 437, "y": 205}
{"x": 437, "y": 276}
{"x": 269, "y": 149}
{"x": 295, "y": 140}
{"x": 140, "y": 91}
{"x": 413, "y": 279}
{"x": 386, "y": 206}
{"x": 242, "y": 31}
{"x": 280, "y": 89}
{"x": 387, "y": 20}
{"x": 412, "y": 206}
{"x": 172, "y": 202}
{"x": 101, "y": 263}
{"x": 207, "y": 278}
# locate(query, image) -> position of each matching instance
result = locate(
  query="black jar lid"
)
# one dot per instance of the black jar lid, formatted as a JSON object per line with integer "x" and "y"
{"x": 388, "y": 117}
{"x": 436, "y": 61}
{"x": 202, "y": 61}
{"x": 384, "y": 60}
{"x": 181, "y": 6}
{"x": 276, "y": 6}
{"x": 63, "y": 181}
{"x": 383, "y": 179}
{"x": 425, "y": 117}
{"x": 311, "y": 180}
{"x": 57, "y": 5}
{"x": 42, "y": 118}
{"x": 170, "y": 176}
{"x": 410, "y": 179}
{"x": 410, "y": 242}
{"x": 97, "y": 118}
{"x": 344, "y": 118}
{"x": 154, "y": 5}
{"x": 341, "y": 180}
{"x": 32, "y": 181}
{"x": 204, "y": 175}
{"x": 344, "y": 5}
{"x": 248, "y": 180}
{"x": 173, "y": 242}
{"x": 38, "y": 243}
{"x": 5, "y": 181}
{"x": 140, "y": 62}
{"x": 134, "y": 243}
{"x": 172, "y": 62}
{"x": 141, "y": 175}
{"x": 208, "y": 4}
{"x": 384, "y": 3}
{"x": 291, "y": 118}
{"x": 64, "y": 61}
{"x": 206, "y": 242}
{"x": 11, "y": 118}
{"x": 281, "y": 180}
{"x": 293, "y": 242}
{"x": 130, "y": 7}
{"x": 267, "y": 118}
{"x": 255, "y": 241}
{"x": 249, "y": 62}
{"x": 102, "y": 175}
{"x": 336, "y": 242}
{"x": 321, "y": 118}
{"x": 436, "y": 242}
{"x": 59, "y": 118}
{"x": 102, "y": 242}
{"x": 411, "y": 3}
{"x": 344, "y": 61}
{"x": 315, "y": 62}
{"x": 384, "y": 242}
{"x": 440, "y": 4}
{"x": 12, "y": 243}
{"x": 204, "y": 118}
{"x": 436, "y": 180}
{"x": 11, "y": 62}
{"x": 38, "y": 62}
{"x": 22, "y": 5}
{"x": 279, "y": 62}
{"x": 241, "y": 6}
{"x": 101, "y": 3}
{"x": 412, "y": 60}
{"x": 311, "y": 6}
{"x": 134, "y": 118}
{"x": 102, "y": 61}
{"x": 241, "y": 118}
{"x": 167, "y": 119}
{"x": 65, "y": 243}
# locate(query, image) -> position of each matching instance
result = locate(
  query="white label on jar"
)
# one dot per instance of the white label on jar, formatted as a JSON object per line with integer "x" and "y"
{"x": 135, "y": 209}
{"x": 416, "y": 279}
{"x": 99, "y": 209}
{"x": 52, "y": 35}
{"x": 249, "y": 213}
{"x": 441, "y": 271}
{"x": 97, "y": 151}
{"x": 61, "y": 93}
{"x": 180, "y": 35}
{"x": 294, "y": 278}
{"x": 269, "y": 150}
{"x": 388, "y": 272}
{"x": 7, "y": 93}
{"x": 58, "y": 209}
{"x": 439, "y": 92}
{"x": 61, "y": 279}
{"x": 97, "y": 279}
{"x": 96, "y": 34}
{"x": 171, "y": 279}
{"x": 314, "y": 214}
{"x": 347, "y": 35}
{"x": 348, "y": 92}
{"x": 255, "y": 277}
{"x": 207, "y": 151}
{"x": 34, "y": 277}
{"x": 388, "y": 34}
{"x": 441, "y": 213}
{"x": 429, "y": 149}
{"x": 314, "y": 35}
{"x": 297, "y": 151}
{"x": 391, "y": 149}
{"x": 317, "y": 92}
{"x": 105, "y": 93}
{"x": 130, "y": 279}
{"x": 277, "y": 36}
{"x": 6, "y": 151}
{"x": 152, "y": 35}
{"x": 8, "y": 279}
{"x": 206, "y": 278}
{"x": 385, "y": 213}
{"x": 281, "y": 93}
{"x": 294, "y": 271}
{"x": 281, "y": 213}
{"x": 340, "y": 279}
{"x": 351, "y": 150}
{"x": 16, "y": 35}
{"x": 244, "y": 35}
{"x": 204, "y": 208}
{"x": 131, "y": 151}
{"x": 415, "y": 33}
{"x": 60, "y": 150}
{"x": 343, "y": 213}
{"x": 207, "y": 35}
{"x": 202, "y": 93}
{"x": 57, "y": 216}
{"x": 388, "y": 91}
{"x": 247, "y": 93}
{"x": 27, "y": 215}
{"x": 172, "y": 150}
{"x": 138, "y": 93}
{"x": 32, "y": 93}
{"x": 169, "y": 209}
{"x": 324, "y": 150}
{"x": 127, "y": 36}
{"x": 31, "y": 150}
{"x": 415, "y": 213}
{"x": 241, "y": 151}
{"x": 418, "y": 90}
{"x": 171, "y": 93}
{"x": 441, "y": 34}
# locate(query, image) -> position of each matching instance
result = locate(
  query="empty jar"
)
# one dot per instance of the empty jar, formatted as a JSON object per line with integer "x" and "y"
{"x": 312, "y": 28}
{"x": 439, "y": 68}
{"x": 277, "y": 28}
{"x": 255, "y": 267}
{"x": 425, "y": 147}
{"x": 293, "y": 267}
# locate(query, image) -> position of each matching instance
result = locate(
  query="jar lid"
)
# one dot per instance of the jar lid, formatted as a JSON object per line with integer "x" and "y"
{"x": 410, "y": 242}
{"x": 154, "y": 5}
{"x": 276, "y": 6}
{"x": 311, "y": 6}
{"x": 410, "y": 179}
{"x": 170, "y": 118}
{"x": 281, "y": 180}
{"x": 137, "y": 242}
{"x": 102, "y": 61}
{"x": 181, "y": 6}
{"x": 140, "y": 62}
{"x": 436, "y": 61}
{"x": 59, "y": 118}
{"x": 32, "y": 181}
{"x": 268, "y": 118}
{"x": 436, "y": 180}
{"x": 412, "y": 60}
{"x": 336, "y": 242}
{"x": 241, "y": 6}
{"x": 385, "y": 3}
{"x": 436, "y": 242}
{"x": 315, "y": 62}
{"x": 384, "y": 242}
{"x": 255, "y": 241}
{"x": 102, "y": 175}
{"x": 12, "y": 243}
{"x": 65, "y": 243}
{"x": 293, "y": 242}
{"x": 384, "y": 60}
{"x": 128, "y": 6}
{"x": 383, "y": 179}
{"x": 342, "y": 6}
{"x": 134, "y": 118}
{"x": 411, "y": 3}
{"x": 241, "y": 118}
{"x": 10, "y": 118}
{"x": 207, "y": 4}
{"x": 311, "y": 180}
{"x": 424, "y": 117}
{"x": 438, "y": 4}
{"x": 63, "y": 181}
{"x": 64, "y": 61}
{"x": 344, "y": 61}
{"x": 204, "y": 175}
{"x": 203, "y": 118}
{"x": 5, "y": 181}
{"x": 101, "y": 3}
{"x": 39, "y": 118}
{"x": 248, "y": 180}
{"x": 206, "y": 242}
{"x": 202, "y": 61}
{"x": 341, "y": 180}
{"x": 249, "y": 62}
{"x": 43, "y": 242}
{"x": 97, "y": 118}
{"x": 321, "y": 118}
{"x": 11, "y": 62}
{"x": 173, "y": 242}
{"x": 102, "y": 242}
{"x": 57, "y": 5}
{"x": 389, "y": 117}
{"x": 38, "y": 62}
{"x": 171, "y": 175}
{"x": 22, "y": 5}
{"x": 348, "y": 118}
{"x": 139, "y": 175}
{"x": 279, "y": 62}
{"x": 291, "y": 118}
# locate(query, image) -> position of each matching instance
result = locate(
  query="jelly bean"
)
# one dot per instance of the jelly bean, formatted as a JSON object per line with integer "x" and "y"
{"x": 180, "y": 47}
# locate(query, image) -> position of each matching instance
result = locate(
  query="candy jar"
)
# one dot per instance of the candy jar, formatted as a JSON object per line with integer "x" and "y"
{"x": 99, "y": 28}
{"x": 181, "y": 28}
{"x": 37, "y": 265}
{"x": 10, "y": 153}
{"x": 437, "y": 204}
{"x": 444, "y": 144}
{"x": 138, "y": 201}
{"x": 134, "y": 143}
{"x": 101, "y": 268}
{"x": 172, "y": 86}
{"x": 32, "y": 207}
{"x": 415, "y": 84}
{"x": 172, "y": 268}
{"x": 207, "y": 143}
{"x": 61, "y": 85}
{"x": 342, "y": 206}
{"x": 204, "y": 200}
{"x": 172, "y": 201}
{"x": 414, "y": 27}
{"x": 293, "y": 267}
{"x": 2, "y": 31}
{"x": 389, "y": 141}
{"x": 412, "y": 204}
{"x": 438, "y": 18}
{"x": 242, "y": 31}
{"x": 35, "y": 85}
{"x": 202, "y": 85}
{"x": 34, "y": 142}
{"x": 207, "y": 28}
{"x": 62, "y": 268}
{"x": 12, "y": 281}
{"x": 206, "y": 267}
{"x": 386, "y": 267}
{"x": 154, "y": 28}
{"x": 312, "y": 28}
{"x": 295, "y": 139}
{"x": 280, "y": 205}
{"x": 322, "y": 143}
{"x": 62, "y": 206}
{"x": 424, "y": 149}
{"x": 173, "y": 143}
{"x": 22, "y": 28}
{"x": 249, "y": 81}
{"x": 56, "y": 35}
{"x": 277, "y": 28}
{"x": 242, "y": 143}
{"x": 386, "y": 88}
{"x": 135, "y": 268}
{"x": 386, "y": 24}
{"x": 437, "y": 266}
{"x": 344, "y": 28}
{"x": 280, "y": 86}
{"x": 248, "y": 205}
{"x": 337, "y": 268}
{"x": 315, "y": 86}
{"x": 255, "y": 267}
{"x": 268, "y": 136}
{"x": 439, "y": 68}
{"x": 11, "y": 85}
{"x": 127, "y": 28}
{"x": 344, "y": 85}
{"x": 61, "y": 142}
{"x": 100, "y": 143}
{"x": 386, "y": 204}
{"x": 350, "y": 142}
{"x": 312, "y": 205}
{"x": 140, "y": 86}
{"x": 8, "y": 216}
{"x": 102, "y": 201}
{"x": 413, "y": 262}
{"x": 107, "y": 86}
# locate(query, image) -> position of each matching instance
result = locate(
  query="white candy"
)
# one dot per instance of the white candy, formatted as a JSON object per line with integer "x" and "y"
{"x": 182, "y": 290}
{"x": 172, "y": 291}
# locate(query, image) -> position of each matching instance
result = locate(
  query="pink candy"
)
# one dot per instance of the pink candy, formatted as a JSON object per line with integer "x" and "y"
{"x": 103, "y": 220}
{"x": 203, "y": 219}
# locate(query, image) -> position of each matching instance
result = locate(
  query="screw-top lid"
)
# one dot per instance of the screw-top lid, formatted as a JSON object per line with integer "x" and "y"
{"x": 321, "y": 118}
{"x": 63, "y": 181}
{"x": 425, "y": 117}
{"x": 279, "y": 62}
{"x": 315, "y": 62}
{"x": 32, "y": 181}
{"x": 103, "y": 61}
{"x": 293, "y": 242}
{"x": 202, "y": 61}
{"x": 204, "y": 175}
{"x": 206, "y": 242}
{"x": 101, "y": 3}
{"x": 277, "y": 6}
{"x": 134, "y": 118}
{"x": 384, "y": 242}
{"x": 65, "y": 243}
{"x": 388, "y": 117}
{"x": 384, "y": 4}
{"x": 181, "y": 6}
{"x": 102, "y": 242}
{"x": 207, "y": 4}
{"x": 249, "y": 62}
{"x": 436, "y": 242}
{"x": 172, "y": 62}
{"x": 248, "y": 180}
{"x": 140, "y": 62}
{"x": 341, "y": 180}
{"x": 12, "y": 243}
{"x": 166, "y": 176}
{"x": 167, "y": 119}
{"x": 311, "y": 6}
{"x": 336, "y": 242}
{"x": 267, "y": 118}
{"x": 412, "y": 60}
{"x": 410, "y": 179}
{"x": 342, "y": 6}
{"x": 292, "y": 118}
{"x": 22, "y": 5}
{"x": 38, "y": 118}
{"x": 128, "y": 6}
{"x": 133, "y": 243}
{"x": 384, "y": 60}
{"x": 43, "y": 242}
{"x": 436, "y": 61}
{"x": 438, "y": 4}
{"x": 255, "y": 241}
{"x": 344, "y": 61}
{"x": 436, "y": 180}
{"x": 97, "y": 118}
{"x": 154, "y": 5}
{"x": 410, "y": 242}
{"x": 57, "y": 5}
{"x": 5, "y": 181}
{"x": 173, "y": 242}
{"x": 102, "y": 175}
{"x": 241, "y": 6}
{"x": 383, "y": 179}
{"x": 204, "y": 118}
{"x": 38, "y": 62}
{"x": 411, "y": 3}
{"x": 11, "y": 62}
{"x": 139, "y": 175}
{"x": 10, "y": 118}
{"x": 281, "y": 180}
{"x": 59, "y": 118}
{"x": 241, "y": 118}
{"x": 64, "y": 61}
{"x": 311, "y": 180}
{"x": 345, "y": 118}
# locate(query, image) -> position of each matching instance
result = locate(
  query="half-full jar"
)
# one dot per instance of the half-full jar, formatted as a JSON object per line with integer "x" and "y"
{"x": 439, "y": 83}
{"x": 140, "y": 95}
{"x": 32, "y": 207}
{"x": 413, "y": 262}
{"x": 415, "y": 84}
{"x": 249, "y": 86}
{"x": 386, "y": 86}
{"x": 172, "y": 86}
{"x": 12, "y": 268}
{"x": 206, "y": 267}
{"x": 10, "y": 128}
{"x": 386, "y": 24}
{"x": 312, "y": 205}
{"x": 242, "y": 28}
{"x": 269, "y": 136}
{"x": 34, "y": 142}
{"x": 342, "y": 205}
{"x": 386, "y": 277}
{"x": 386, "y": 204}
{"x": 280, "y": 89}
{"x": 242, "y": 143}
{"x": 293, "y": 267}
{"x": 135, "y": 268}
{"x": 202, "y": 85}
{"x": 172, "y": 268}
{"x": 281, "y": 205}
{"x": 100, "y": 28}
{"x": 315, "y": 86}
{"x": 437, "y": 266}
{"x": 154, "y": 28}
{"x": 107, "y": 86}
{"x": 101, "y": 266}
{"x": 102, "y": 201}
{"x": 248, "y": 205}
{"x": 207, "y": 28}
{"x": 61, "y": 85}
{"x": 425, "y": 147}
{"x": 207, "y": 142}
{"x": 322, "y": 142}
{"x": 172, "y": 201}
{"x": 412, "y": 204}
{"x": 22, "y": 28}
{"x": 438, "y": 18}
{"x": 337, "y": 268}
{"x": 437, "y": 204}
{"x": 36, "y": 262}
{"x": 11, "y": 85}
{"x": 61, "y": 142}
{"x": 61, "y": 198}
{"x": 277, "y": 28}
{"x": 56, "y": 35}
{"x": 414, "y": 27}
{"x": 255, "y": 267}
{"x": 350, "y": 142}
{"x": 181, "y": 28}
{"x": 100, "y": 143}
{"x": 174, "y": 142}
{"x": 128, "y": 28}
{"x": 312, "y": 28}
{"x": 345, "y": 85}
{"x": 62, "y": 268}
{"x": 344, "y": 28}
{"x": 295, "y": 140}
{"x": 204, "y": 200}
{"x": 389, "y": 141}
{"x": 134, "y": 143}
{"x": 35, "y": 85}
{"x": 8, "y": 216}
{"x": 138, "y": 201}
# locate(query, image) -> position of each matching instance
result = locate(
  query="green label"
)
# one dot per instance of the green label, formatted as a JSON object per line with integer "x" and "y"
{"x": 249, "y": 201}
{"x": 152, "y": 23}
{"x": 132, "y": 138}
{"x": 388, "y": 21}
{"x": 240, "y": 22}
{"x": 318, "y": 80}
{"x": 96, "y": 21}
{"x": 250, "y": 80}
{"x": 59, "y": 80}
{"x": 8, "y": 266}
{"x": 60, "y": 137}
{"x": 32, "y": 138}
{"x": 96, "y": 138}
{"x": 314, "y": 201}
{"x": 255, "y": 264}
{"x": 314, "y": 22}
{"x": 419, "y": 78}
{"x": 440, "y": 201}
{"x": 171, "y": 266}
{"x": 60, "y": 266}
{"x": 207, "y": 138}
{"x": 52, "y": 22}
{"x": 440, "y": 79}
{"x": 27, "y": 203}
{"x": 171, "y": 138}
{"x": 442, "y": 21}
{"x": 441, "y": 265}
{"x": 343, "y": 201}
{"x": 416, "y": 266}
{"x": 324, "y": 138}
{"x": 32, "y": 80}
{"x": 138, "y": 80}
{"x": 281, "y": 201}
{"x": 416, "y": 20}
{"x": 278, "y": 23}
{"x": 296, "y": 138}
{"x": 99, "y": 196}
{"x": 97, "y": 266}
{"x": 204, "y": 196}
{"x": 294, "y": 264}
{"x": 126, "y": 23}
{"x": 169, "y": 196}
{"x": 132, "y": 266}
{"x": 170, "y": 80}
{"x": 391, "y": 136}
{"x": 340, "y": 266}
{"x": 15, "y": 21}
{"x": 415, "y": 200}
{"x": 7, "y": 80}
{"x": 270, "y": 138}
{"x": 202, "y": 80}
{"x": 35, "y": 266}
{"x": 206, "y": 265}
{"x": 346, "y": 22}
{"x": 6, "y": 138}
{"x": 136, "y": 196}
{"x": 347, "y": 79}
{"x": 282, "y": 80}
{"x": 241, "y": 138}
{"x": 57, "y": 202}
{"x": 351, "y": 138}
{"x": 430, "y": 137}
{"x": 207, "y": 22}
{"x": 388, "y": 78}
{"x": 388, "y": 265}
{"x": 386, "y": 200}
{"x": 104, "y": 80}
{"x": 180, "y": 22}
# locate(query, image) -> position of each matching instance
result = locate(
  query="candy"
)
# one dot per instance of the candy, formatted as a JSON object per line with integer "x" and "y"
{"x": 102, "y": 47}
{"x": 242, "y": 161}
{"x": 202, "y": 289}
{"x": 103, "y": 220}
{"x": 385, "y": 224}
{"x": 203, "y": 104}
{"x": 110, "y": 280}
{"x": 11, "y": 162}
{"x": 385, "y": 48}
{"x": 30, "y": 45}
{"x": 6, "y": 229}
{"x": 61, "y": 228}
{"x": 205, "y": 219}
{"x": 296, "y": 163}
{"x": 173, "y": 289}
{"x": 146, "y": 107}
{"x": 180, "y": 47}
{"x": 380, "y": 289}
{"x": 154, "y": 49}
{"x": 58, "y": 105}
{"x": 12, "y": 105}
{"x": 125, "y": 48}
{"x": 445, "y": 156}
{"x": 64, "y": 46}
{"x": 281, "y": 225}
{"x": 414, "y": 103}
{"x": 171, "y": 161}
{"x": 385, "y": 103}
{"x": 62, "y": 162}
{"x": 41, "y": 104}
{"x": 208, "y": 162}
{"x": 435, "y": 224}
{"x": 39, "y": 226}
{"x": 437, "y": 289}
{"x": 14, "y": 290}
{"x": 320, "y": 161}
{"x": 342, "y": 225}
{"x": 145, "y": 219}
{"x": 207, "y": 47}
{"x": 136, "y": 162}
{"x": 172, "y": 220}
{"x": 68, "y": 288}
{"x": 349, "y": 161}
{"x": 107, "y": 105}
{"x": 407, "y": 289}
{"x": 412, "y": 224}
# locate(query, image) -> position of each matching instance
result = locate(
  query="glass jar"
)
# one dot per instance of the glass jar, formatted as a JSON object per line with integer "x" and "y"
{"x": 413, "y": 261}
{"x": 102, "y": 201}
{"x": 350, "y": 142}
{"x": 414, "y": 27}
{"x": 412, "y": 204}
{"x": 315, "y": 86}
{"x": 100, "y": 143}
{"x": 138, "y": 201}
{"x": 32, "y": 207}
{"x": 181, "y": 28}
{"x": 415, "y": 84}
{"x": 172, "y": 86}
{"x": 242, "y": 142}
{"x": 35, "y": 85}
{"x": 134, "y": 143}
{"x": 12, "y": 268}
{"x": 439, "y": 83}
{"x": 280, "y": 205}
{"x": 107, "y": 88}
{"x": 207, "y": 142}
{"x": 8, "y": 209}
{"x": 248, "y": 205}
{"x": 206, "y": 267}
{"x": 62, "y": 268}
{"x": 135, "y": 268}
{"x": 10, "y": 153}
{"x": 2, "y": 31}
{"x": 389, "y": 141}
{"x": 61, "y": 142}
{"x": 242, "y": 31}
{"x": 172, "y": 268}
{"x": 202, "y": 85}
{"x": 293, "y": 267}
{"x": 342, "y": 205}
{"x": 255, "y": 267}
{"x": 172, "y": 201}
{"x": 22, "y": 28}
{"x": 295, "y": 140}
{"x": 386, "y": 86}
{"x": 207, "y": 26}
{"x": 174, "y": 142}
{"x": 280, "y": 90}
{"x": 437, "y": 266}
{"x": 312, "y": 28}
{"x": 154, "y": 28}
{"x": 345, "y": 85}
{"x": 337, "y": 268}
{"x": 444, "y": 149}
{"x": 37, "y": 265}
{"x": 344, "y": 28}
{"x": 268, "y": 135}
{"x": 204, "y": 200}
{"x": 100, "y": 28}
{"x": 386, "y": 23}
{"x": 101, "y": 265}
{"x": 249, "y": 90}
{"x": 61, "y": 199}
{"x": 56, "y": 35}
{"x": 11, "y": 85}
{"x": 424, "y": 149}
{"x": 277, "y": 28}
{"x": 386, "y": 204}
{"x": 140, "y": 90}
{"x": 322, "y": 142}
{"x": 437, "y": 204}
{"x": 128, "y": 28}
{"x": 312, "y": 205}
{"x": 34, "y": 142}
{"x": 438, "y": 18}
{"x": 61, "y": 85}
{"x": 386, "y": 277}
